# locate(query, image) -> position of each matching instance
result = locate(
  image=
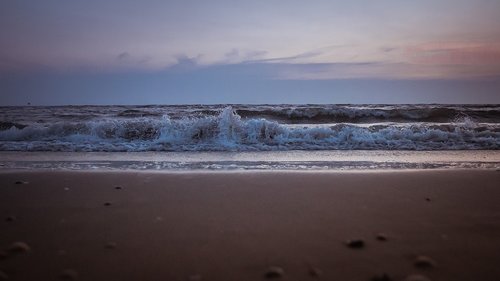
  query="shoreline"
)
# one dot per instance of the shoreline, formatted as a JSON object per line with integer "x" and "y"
{"x": 201, "y": 172}
{"x": 252, "y": 161}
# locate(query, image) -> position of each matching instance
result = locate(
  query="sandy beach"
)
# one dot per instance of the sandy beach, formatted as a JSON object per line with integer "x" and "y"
{"x": 444, "y": 225}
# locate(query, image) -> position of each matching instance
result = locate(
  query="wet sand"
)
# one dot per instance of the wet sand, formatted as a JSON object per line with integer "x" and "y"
{"x": 444, "y": 225}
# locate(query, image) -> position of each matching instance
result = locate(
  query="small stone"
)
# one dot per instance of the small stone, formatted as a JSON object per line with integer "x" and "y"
{"x": 3, "y": 276}
{"x": 19, "y": 248}
{"x": 118, "y": 187}
{"x": 383, "y": 277}
{"x": 274, "y": 272}
{"x": 355, "y": 244}
{"x": 315, "y": 272}
{"x": 424, "y": 262}
{"x": 381, "y": 237}
{"x": 10, "y": 218}
{"x": 110, "y": 246}
{"x": 68, "y": 274}
{"x": 107, "y": 204}
{"x": 416, "y": 277}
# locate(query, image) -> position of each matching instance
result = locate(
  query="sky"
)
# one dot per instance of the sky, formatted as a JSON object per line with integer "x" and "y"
{"x": 56, "y": 52}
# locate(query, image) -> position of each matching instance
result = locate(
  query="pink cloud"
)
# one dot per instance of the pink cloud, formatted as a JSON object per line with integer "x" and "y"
{"x": 454, "y": 53}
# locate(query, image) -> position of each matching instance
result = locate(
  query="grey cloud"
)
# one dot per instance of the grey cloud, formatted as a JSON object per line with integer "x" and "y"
{"x": 127, "y": 59}
{"x": 304, "y": 55}
{"x": 185, "y": 63}
{"x": 123, "y": 56}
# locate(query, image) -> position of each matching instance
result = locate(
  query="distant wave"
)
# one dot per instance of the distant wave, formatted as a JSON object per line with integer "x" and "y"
{"x": 372, "y": 114}
{"x": 284, "y": 114}
{"x": 229, "y": 131}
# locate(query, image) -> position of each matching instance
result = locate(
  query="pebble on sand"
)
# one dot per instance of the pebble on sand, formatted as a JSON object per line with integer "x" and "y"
{"x": 424, "y": 262}
{"x": 355, "y": 243}
{"x": 68, "y": 274}
{"x": 383, "y": 277}
{"x": 416, "y": 277}
{"x": 19, "y": 248}
{"x": 3, "y": 276}
{"x": 274, "y": 272}
{"x": 10, "y": 218}
{"x": 381, "y": 237}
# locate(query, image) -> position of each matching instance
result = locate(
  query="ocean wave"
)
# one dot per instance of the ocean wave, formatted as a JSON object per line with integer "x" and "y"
{"x": 372, "y": 114}
{"x": 8, "y": 125}
{"x": 284, "y": 114}
{"x": 228, "y": 131}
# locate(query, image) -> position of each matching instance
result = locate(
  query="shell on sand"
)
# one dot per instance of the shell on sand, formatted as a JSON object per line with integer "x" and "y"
{"x": 424, "y": 262}
{"x": 274, "y": 272}
{"x": 381, "y": 237}
{"x": 19, "y": 248}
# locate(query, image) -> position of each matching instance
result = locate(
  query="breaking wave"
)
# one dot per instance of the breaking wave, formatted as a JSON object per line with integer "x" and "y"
{"x": 236, "y": 131}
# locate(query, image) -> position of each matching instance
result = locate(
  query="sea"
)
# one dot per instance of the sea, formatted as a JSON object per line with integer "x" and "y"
{"x": 250, "y": 137}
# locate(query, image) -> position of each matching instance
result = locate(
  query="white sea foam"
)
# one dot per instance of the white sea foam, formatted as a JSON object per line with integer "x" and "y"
{"x": 255, "y": 160}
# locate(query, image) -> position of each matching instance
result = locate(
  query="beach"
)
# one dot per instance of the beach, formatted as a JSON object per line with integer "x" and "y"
{"x": 250, "y": 140}
{"x": 250, "y": 225}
